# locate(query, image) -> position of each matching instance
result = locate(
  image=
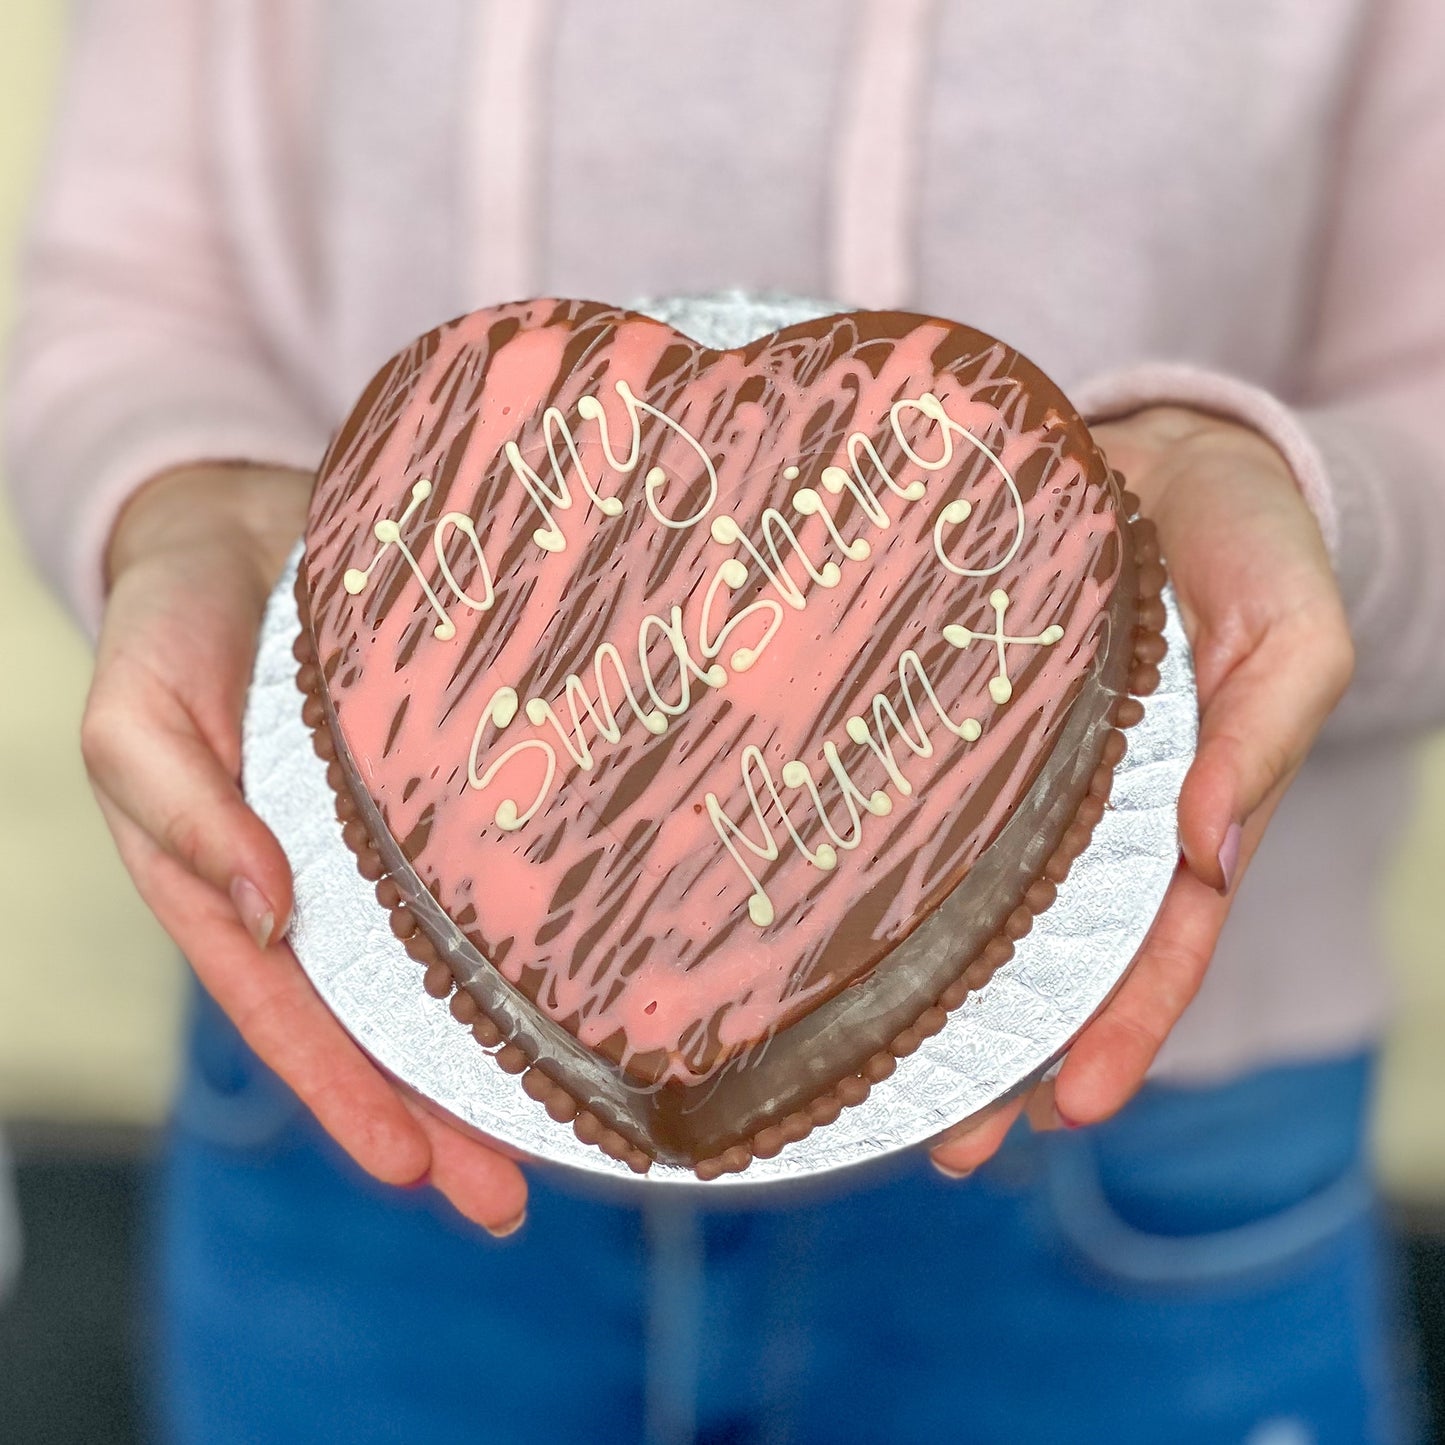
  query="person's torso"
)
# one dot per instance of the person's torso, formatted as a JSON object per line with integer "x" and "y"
{"x": 1099, "y": 186}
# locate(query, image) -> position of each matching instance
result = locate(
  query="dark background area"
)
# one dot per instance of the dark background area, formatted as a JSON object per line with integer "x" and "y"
{"x": 72, "y": 1346}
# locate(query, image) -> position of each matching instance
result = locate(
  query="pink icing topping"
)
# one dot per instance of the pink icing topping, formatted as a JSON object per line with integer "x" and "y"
{"x": 617, "y": 903}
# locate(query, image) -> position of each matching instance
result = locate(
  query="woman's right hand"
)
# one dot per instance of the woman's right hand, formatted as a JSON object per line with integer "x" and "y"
{"x": 191, "y": 563}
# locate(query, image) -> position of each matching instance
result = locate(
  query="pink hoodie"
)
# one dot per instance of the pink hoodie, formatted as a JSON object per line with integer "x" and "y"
{"x": 1233, "y": 204}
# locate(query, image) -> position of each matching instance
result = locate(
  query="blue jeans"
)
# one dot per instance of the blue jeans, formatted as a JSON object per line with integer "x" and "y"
{"x": 1208, "y": 1267}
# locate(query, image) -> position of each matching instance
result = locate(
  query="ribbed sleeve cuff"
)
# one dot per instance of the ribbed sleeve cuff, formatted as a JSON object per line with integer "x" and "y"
{"x": 1116, "y": 394}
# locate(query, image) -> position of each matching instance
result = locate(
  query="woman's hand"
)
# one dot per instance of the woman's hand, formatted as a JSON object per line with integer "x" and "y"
{"x": 1272, "y": 656}
{"x": 191, "y": 564}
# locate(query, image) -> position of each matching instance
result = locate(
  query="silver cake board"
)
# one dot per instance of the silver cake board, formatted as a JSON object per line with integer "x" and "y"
{"x": 1002, "y": 1038}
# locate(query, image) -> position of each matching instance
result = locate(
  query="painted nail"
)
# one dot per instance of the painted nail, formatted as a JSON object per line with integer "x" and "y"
{"x": 1229, "y": 855}
{"x": 501, "y": 1231}
{"x": 948, "y": 1171}
{"x": 258, "y": 915}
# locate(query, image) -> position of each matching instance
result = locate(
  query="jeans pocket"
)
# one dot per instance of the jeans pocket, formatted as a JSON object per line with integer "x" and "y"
{"x": 1086, "y": 1218}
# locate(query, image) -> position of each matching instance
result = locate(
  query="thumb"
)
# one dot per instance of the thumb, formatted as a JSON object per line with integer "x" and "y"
{"x": 161, "y": 733}
{"x": 1256, "y": 725}
{"x": 146, "y": 755}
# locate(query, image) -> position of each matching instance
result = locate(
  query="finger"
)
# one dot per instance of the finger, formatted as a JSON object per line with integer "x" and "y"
{"x": 278, "y": 1013}
{"x": 964, "y": 1147}
{"x": 1256, "y": 726}
{"x": 1040, "y": 1109}
{"x": 1107, "y": 1063}
{"x": 149, "y": 762}
{"x": 479, "y": 1183}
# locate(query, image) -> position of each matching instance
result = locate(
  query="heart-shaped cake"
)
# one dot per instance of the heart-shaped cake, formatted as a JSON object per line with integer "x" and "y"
{"x": 712, "y": 721}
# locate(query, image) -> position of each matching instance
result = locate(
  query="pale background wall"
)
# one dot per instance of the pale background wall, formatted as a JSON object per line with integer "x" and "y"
{"x": 89, "y": 986}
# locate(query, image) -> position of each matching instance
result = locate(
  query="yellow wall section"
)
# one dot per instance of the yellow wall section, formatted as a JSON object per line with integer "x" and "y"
{"x": 1411, "y": 1139}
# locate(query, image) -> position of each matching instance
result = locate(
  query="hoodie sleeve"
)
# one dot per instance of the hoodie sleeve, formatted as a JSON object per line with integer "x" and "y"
{"x": 1364, "y": 430}
{"x": 135, "y": 348}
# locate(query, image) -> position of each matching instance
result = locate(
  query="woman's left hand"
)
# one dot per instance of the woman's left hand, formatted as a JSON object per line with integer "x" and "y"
{"x": 1272, "y": 657}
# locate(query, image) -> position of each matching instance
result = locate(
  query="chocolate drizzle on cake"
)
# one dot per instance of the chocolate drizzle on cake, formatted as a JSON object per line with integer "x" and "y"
{"x": 750, "y": 817}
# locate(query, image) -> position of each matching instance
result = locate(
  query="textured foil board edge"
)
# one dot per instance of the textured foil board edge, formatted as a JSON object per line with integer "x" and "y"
{"x": 1003, "y": 1037}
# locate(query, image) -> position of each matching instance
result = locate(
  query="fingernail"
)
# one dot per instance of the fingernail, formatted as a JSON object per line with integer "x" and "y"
{"x": 1229, "y": 855}
{"x": 501, "y": 1231}
{"x": 948, "y": 1171}
{"x": 258, "y": 915}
